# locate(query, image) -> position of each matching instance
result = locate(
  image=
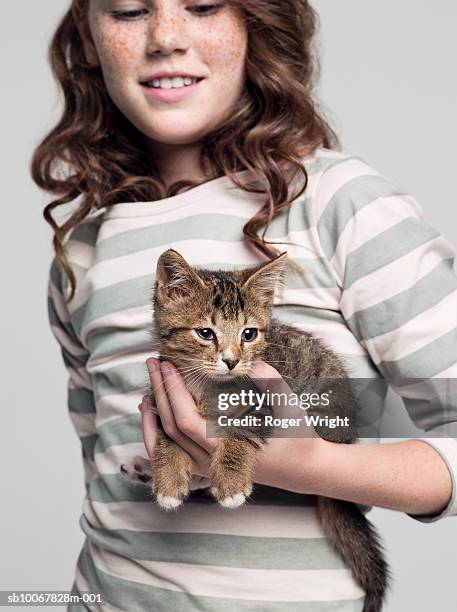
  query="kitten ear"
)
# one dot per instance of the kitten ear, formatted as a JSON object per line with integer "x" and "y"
{"x": 175, "y": 278}
{"x": 264, "y": 279}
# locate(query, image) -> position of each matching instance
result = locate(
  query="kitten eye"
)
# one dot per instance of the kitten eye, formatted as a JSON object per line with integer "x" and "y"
{"x": 206, "y": 333}
{"x": 249, "y": 334}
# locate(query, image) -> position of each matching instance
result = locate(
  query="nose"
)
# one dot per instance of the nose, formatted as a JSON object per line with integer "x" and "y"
{"x": 167, "y": 32}
{"x": 230, "y": 363}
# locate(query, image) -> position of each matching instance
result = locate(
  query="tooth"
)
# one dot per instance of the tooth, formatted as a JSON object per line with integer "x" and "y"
{"x": 171, "y": 83}
{"x": 165, "y": 83}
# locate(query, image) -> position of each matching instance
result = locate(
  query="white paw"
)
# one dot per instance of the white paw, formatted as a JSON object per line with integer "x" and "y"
{"x": 168, "y": 503}
{"x": 137, "y": 470}
{"x": 235, "y": 501}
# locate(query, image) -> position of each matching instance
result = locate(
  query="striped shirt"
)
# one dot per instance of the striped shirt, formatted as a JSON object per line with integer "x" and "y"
{"x": 379, "y": 288}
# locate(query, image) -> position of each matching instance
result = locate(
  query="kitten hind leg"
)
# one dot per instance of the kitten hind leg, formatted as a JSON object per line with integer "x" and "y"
{"x": 137, "y": 470}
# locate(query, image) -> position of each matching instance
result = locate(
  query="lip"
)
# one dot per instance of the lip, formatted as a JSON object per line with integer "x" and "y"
{"x": 172, "y": 95}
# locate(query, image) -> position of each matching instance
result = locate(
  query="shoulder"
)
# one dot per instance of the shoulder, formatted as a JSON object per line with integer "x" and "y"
{"x": 340, "y": 179}
{"x": 347, "y": 193}
{"x": 322, "y": 160}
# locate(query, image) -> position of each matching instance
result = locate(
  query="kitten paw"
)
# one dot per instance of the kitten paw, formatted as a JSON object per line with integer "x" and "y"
{"x": 137, "y": 470}
{"x": 168, "y": 503}
{"x": 232, "y": 501}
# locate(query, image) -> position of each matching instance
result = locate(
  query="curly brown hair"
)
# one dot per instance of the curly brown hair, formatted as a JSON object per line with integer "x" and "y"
{"x": 96, "y": 154}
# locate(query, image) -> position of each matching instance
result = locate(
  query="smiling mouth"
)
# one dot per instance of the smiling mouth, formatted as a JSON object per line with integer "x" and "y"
{"x": 172, "y": 83}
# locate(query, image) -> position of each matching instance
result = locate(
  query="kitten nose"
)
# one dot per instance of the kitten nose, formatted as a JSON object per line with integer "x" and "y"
{"x": 230, "y": 363}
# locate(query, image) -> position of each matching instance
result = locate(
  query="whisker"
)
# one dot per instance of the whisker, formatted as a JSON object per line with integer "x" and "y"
{"x": 196, "y": 382}
{"x": 190, "y": 377}
{"x": 195, "y": 385}
{"x": 293, "y": 348}
{"x": 284, "y": 361}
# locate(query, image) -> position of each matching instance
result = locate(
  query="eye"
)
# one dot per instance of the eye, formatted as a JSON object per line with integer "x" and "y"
{"x": 249, "y": 334}
{"x": 129, "y": 15}
{"x": 205, "y": 9}
{"x": 206, "y": 333}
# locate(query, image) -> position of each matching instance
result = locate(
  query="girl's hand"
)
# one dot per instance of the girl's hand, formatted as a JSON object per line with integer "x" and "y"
{"x": 286, "y": 463}
{"x": 283, "y": 462}
{"x": 178, "y": 414}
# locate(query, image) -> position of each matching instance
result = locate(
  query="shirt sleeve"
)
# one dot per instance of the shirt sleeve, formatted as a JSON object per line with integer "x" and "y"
{"x": 80, "y": 397}
{"x": 398, "y": 291}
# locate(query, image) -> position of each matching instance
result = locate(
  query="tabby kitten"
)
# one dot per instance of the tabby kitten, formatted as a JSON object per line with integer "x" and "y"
{"x": 214, "y": 326}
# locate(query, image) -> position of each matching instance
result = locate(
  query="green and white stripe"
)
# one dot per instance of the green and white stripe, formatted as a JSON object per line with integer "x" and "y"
{"x": 378, "y": 287}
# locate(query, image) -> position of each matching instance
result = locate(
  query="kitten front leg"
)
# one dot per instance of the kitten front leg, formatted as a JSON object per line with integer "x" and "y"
{"x": 172, "y": 469}
{"x": 231, "y": 470}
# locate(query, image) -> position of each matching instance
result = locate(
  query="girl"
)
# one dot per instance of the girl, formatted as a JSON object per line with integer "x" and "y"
{"x": 193, "y": 126}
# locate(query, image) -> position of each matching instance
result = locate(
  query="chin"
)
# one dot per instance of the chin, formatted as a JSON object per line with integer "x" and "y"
{"x": 177, "y": 138}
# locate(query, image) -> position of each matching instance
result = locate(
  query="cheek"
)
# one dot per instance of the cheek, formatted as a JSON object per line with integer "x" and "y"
{"x": 251, "y": 350}
{"x": 201, "y": 351}
{"x": 118, "y": 51}
{"x": 210, "y": 352}
{"x": 226, "y": 51}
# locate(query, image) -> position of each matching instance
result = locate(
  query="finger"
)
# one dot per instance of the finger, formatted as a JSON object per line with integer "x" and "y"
{"x": 267, "y": 377}
{"x": 155, "y": 378}
{"x": 148, "y": 425}
{"x": 150, "y": 433}
{"x": 188, "y": 419}
{"x": 268, "y": 380}
{"x": 160, "y": 395}
{"x": 167, "y": 416}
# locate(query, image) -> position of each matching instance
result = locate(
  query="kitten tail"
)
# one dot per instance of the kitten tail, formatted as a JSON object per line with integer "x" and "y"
{"x": 355, "y": 538}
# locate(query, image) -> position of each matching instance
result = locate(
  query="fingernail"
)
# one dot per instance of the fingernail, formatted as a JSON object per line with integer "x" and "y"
{"x": 165, "y": 367}
{"x": 152, "y": 363}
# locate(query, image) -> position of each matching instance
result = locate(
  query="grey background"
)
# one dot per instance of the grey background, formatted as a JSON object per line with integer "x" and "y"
{"x": 389, "y": 84}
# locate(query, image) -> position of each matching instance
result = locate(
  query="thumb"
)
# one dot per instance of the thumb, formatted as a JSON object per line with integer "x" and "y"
{"x": 268, "y": 379}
